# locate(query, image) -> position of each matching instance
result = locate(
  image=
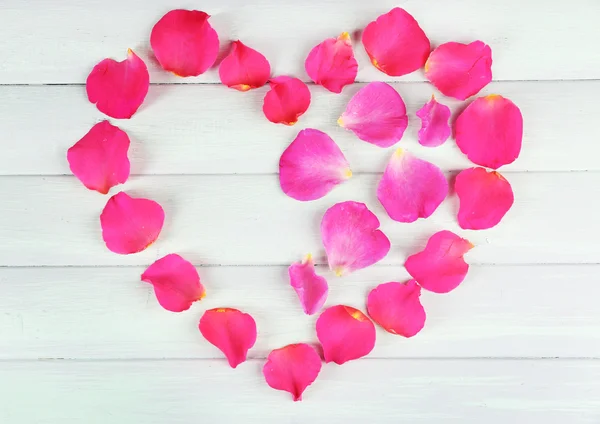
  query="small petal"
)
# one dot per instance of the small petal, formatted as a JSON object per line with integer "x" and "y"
{"x": 376, "y": 114}
{"x": 286, "y": 101}
{"x": 118, "y": 88}
{"x": 345, "y": 334}
{"x": 312, "y": 166}
{"x": 351, "y": 236}
{"x": 397, "y": 308}
{"x": 130, "y": 225}
{"x": 292, "y": 368}
{"x": 311, "y": 288}
{"x": 184, "y": 42}
{"x": 460, "y": 70}
{"x": 244, "y": 68}
{"x": 411, "y": 188}
{"x": 99, "y": 160}
{"x": 396, "y": 43}
{"x": 435, "y": 128}
{"x": 490, "y": 131}
{"x": 440, "y": 267}
{"x": 230, "y": 330}
{"x": 332, "y": 63}
{"x": 176, "y": 283}
{"x": 485, "y": 197}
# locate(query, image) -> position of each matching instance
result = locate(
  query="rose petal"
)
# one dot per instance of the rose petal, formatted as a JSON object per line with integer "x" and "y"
{"x": 292, "y": 368}
{"x": 244, "y": 68}
{"x": 490, "y": 131}
{"x": 99, "y": 160}
{"x": 440, "y": 267}
{"x": 118, "y": 88}
{"x": 176, "y": 283}
{"x": 351, "y": 236}
{"x": 411, "y": 188}
{"x": 345, "y": 334}
{"x": 396, "y": 43}
{"x": 397, "y": 308}
{"x": 332, "y": 63}
{"x": 286, "y": 101}
{"x": 130, "y": 225}
{"x": 312, "y": 166}
{"x": 460, "y": 70}
{"x": 230, "y": 330}
{"x": 485, "y": 197}
{"x": 184, "y": 42}
{"x": 311, "y": 288}
{"x": 435, "y": 128}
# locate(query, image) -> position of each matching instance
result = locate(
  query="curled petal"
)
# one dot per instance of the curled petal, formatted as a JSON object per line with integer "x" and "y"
{"x": 396, "y": 43}
{"x": 311, "y": 288}
{"x": 351, "y": 236}
{"x": 490, "y": 131}
{"x": 435, "y": 128}
{"x": 184, "y": 42}
{"x": 292, "y": 368}
{"x": 244, "y": 68}
{"x": 332, "y": 63}
{"x": 440, "y": 267}
{"x": 376, "y": 114}
{"x": 130, "y": 225}
{"x": 118, "y": 88}
{"x": 99, "y": 160}
{"x": 485, "y": 197}
{"x": 230, "y": 330}
{"x": 286, "y": 101}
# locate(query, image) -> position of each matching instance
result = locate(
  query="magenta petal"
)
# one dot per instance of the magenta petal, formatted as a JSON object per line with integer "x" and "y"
{"x": 286, "y": 101}
{"x": 435, "y": 128}
{"x": 244, "y": 68}
{"x": 332, "y": 63}
{"x": 311, "y": 288}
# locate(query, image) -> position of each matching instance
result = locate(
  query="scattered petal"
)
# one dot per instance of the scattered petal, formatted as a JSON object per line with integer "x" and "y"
{"x": 244, "y": 68}
{"x": 435, "y": 128}
{"x": 332, "y": 63}
{"x": 311, "y": 288}
{"x": 286, "y": 101}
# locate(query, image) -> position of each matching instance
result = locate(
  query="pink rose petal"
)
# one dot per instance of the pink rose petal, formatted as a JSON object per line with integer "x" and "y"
{"x": 332, "y": 63}
{"x": 244, "y": 68}
{"x": 286, "y": 101}
{"x": 435, "y": 128}
{"x": 311, "y": 288}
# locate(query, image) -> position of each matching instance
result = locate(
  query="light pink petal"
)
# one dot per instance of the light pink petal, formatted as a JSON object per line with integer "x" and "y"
{"x": 396, "y": 43}
{"x": 230, "y": 330}
{"x": 345, "y": 334}
{"x": 312, "y": 166}
{"x": 435, "y": 128}
{"x": 184, "y": 42}
{"x": 440, "y": 267}
{"x": 286, "y": 101}
{"x": 311, "y": 288}
{"x": 244, "y": 68}
{"x": 292, "y": 368}
{"x": 460, "y": 70}
{"x": 490, "y": 131}
{"x": 118, "y": 88}
{"x": 351, "y": 236}
{"x": 99, "y": 160}
{"x": 376, "y": 114}
{"x": 332, "y": 63}
{"x": 397, "y": 308}
{"x": 411, "y": 188}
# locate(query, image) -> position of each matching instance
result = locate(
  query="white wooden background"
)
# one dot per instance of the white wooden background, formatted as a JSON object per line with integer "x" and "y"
{"x": 82, "y": 340}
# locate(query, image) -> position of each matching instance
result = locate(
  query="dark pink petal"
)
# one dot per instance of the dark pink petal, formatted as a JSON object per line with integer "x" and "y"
{"x": 485, "y": 197}
{"x": 292, "y": 368}
{"x": 184, "y": 42}
{"x": 130, "y": 225}
{"x": 311, "y": 288}
{"x": 460, "y": 70}
{"x": 435, "y": 128}
{"x": 312, "y": 166}
{"x": 176, "y": 283}
{"x": 286, "y": 101}
{"x": 396, "y": 43}
{"x": 345, "y": 334}
{"x": 397, "y": 308}
{"x": 118, "y": 88}
{"x": 244, "y": 68}
{"x": 411, "y": 188}
{"x": 99, "y": 160}
{"x": 376, "y": 114}
{"x": 490, "y": 131}
{"x": 232, "y": 331}
{"x": 351, "y": 236}
{"x": 440, "y": 267}
{"x": 332, "y": 63}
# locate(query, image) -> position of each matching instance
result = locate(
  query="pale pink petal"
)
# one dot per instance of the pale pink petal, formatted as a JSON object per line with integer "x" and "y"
{"x": 490, "y": 131}
{"x": 435, "y": 128}
{"x": 99, "y": 160}
{"x": 311, "y": 288}
{"x": 332, "y": 63}
{"x": 230, "y": 330}
{"x": 286, "y": 101}
{"x": 440, "y": 267}
{"x": 130, "y": 225}
{"x": 411, "y": 188}
{"x": 376, "y": 114}
{"x": 351, "y": 236}
{"x": 397, "y": 308}
{"x": 244, "y": 68}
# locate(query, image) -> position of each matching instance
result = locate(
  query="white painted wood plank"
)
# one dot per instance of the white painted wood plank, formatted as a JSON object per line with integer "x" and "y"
{"x": 60, "y": 41}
